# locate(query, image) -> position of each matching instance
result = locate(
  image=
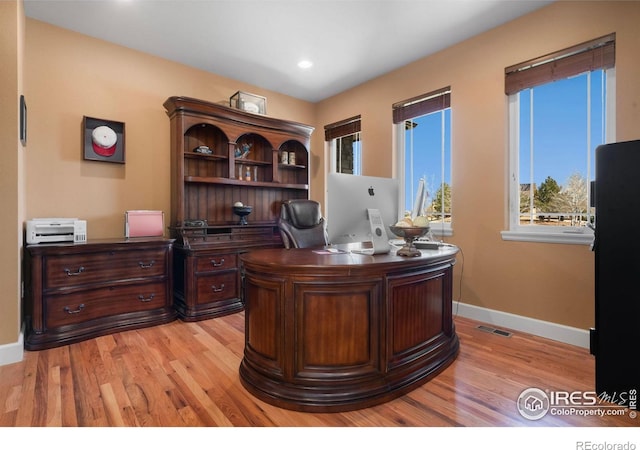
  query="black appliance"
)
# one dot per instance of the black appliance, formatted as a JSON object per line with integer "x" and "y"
{"x": 615, "y": 340}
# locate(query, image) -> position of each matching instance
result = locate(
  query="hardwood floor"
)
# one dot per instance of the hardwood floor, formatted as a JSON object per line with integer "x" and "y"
{"x": 186, "y": 375}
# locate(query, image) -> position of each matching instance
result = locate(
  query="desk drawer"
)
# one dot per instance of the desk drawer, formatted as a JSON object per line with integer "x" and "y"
{"x": 74, "y": 270}
{"x": 212, "y": 288}
{"x": 109, "y": 301}
{"x": 212, "y": 263}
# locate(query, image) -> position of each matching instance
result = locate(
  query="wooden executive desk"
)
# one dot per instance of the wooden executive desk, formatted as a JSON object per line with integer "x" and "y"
{"x": 339, "y": 332}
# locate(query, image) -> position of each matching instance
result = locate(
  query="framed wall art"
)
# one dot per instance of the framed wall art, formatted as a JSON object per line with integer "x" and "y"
{"x": 23, "y": 121}
{"x": 103, "y": 140}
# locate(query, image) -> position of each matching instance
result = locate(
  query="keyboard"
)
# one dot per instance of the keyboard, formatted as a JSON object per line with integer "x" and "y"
{"x": 420, "y": 243}
{"x": 426, "y": 244}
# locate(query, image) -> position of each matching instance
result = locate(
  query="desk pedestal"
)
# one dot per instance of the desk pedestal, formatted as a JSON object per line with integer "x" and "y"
{"x": 339, "y": 332}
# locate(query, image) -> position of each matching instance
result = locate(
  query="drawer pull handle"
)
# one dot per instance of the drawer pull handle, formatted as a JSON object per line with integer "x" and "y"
{"x": 75, "y": 311}
{"x": 72, "y": 274}
{"x": 218, "y": 289}
{"x": 146, "y": 266}
{"x": 216, "y": 263}
{"x": 144, "y": 299}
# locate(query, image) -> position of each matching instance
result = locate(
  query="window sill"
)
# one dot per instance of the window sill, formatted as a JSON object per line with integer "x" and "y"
{"x": 567, "y": 237}
{"x": 441, "y": 231}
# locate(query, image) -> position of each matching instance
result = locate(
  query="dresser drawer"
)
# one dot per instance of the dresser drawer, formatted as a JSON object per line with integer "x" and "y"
{"x": 217, "y": 287}
{"x": 211, "y": 263}
{"x": 73, "y": 270}
{"x": 109, "y": 301}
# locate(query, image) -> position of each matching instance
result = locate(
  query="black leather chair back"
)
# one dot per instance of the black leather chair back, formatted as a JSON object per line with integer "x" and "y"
{"x": 301, "y": 224}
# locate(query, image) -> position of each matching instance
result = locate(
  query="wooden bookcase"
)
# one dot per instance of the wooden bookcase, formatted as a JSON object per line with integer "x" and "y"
{"x": 204, "y": 188}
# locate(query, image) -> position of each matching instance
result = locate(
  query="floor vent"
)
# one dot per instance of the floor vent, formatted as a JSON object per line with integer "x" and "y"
{"x": 493, "y": 330}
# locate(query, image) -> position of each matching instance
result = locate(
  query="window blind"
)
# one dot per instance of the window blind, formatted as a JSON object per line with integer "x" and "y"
{"x": 588, "y": 56}
{"x": 422, "y": 104}
{"x": 342, "y": 128}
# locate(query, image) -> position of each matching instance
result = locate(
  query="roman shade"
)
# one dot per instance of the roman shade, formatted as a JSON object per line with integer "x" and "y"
{"x": 422, "y": 105}
{"x": 588, "y": 56}
{"x": 342, "y": 128}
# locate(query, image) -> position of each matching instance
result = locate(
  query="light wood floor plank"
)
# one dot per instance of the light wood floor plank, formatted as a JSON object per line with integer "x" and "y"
{"x": 111, "y": 406}
{"x": 54, "y": 399}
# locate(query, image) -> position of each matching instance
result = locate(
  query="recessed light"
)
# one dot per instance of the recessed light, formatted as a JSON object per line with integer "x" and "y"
{"x": 305, "y": 64}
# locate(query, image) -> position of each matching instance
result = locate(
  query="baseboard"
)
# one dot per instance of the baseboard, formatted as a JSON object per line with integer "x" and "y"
{"x": 12, "y": 353}
{"x": 549, "y": 330}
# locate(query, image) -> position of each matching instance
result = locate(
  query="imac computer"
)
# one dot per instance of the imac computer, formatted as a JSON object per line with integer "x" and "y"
{"x": 348, "y": 201}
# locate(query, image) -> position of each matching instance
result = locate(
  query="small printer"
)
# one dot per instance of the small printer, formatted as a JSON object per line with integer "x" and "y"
{"x": 56, "y": 230}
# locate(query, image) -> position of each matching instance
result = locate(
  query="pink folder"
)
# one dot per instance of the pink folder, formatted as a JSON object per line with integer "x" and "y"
{"x": 143, "y": 223}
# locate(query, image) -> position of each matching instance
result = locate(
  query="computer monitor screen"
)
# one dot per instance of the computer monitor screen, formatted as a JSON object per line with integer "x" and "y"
{"x": 349, "y": 197}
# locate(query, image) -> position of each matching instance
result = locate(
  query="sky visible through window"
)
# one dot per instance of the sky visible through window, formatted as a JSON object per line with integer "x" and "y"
{"x": 426, "y": 140}
{"x": 560, "y": 137}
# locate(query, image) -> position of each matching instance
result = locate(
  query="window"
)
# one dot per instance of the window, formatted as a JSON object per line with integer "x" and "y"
{"x": 560, "y": 110}
{"x": 424, "y": 156}
{"x": 345, "y": 146}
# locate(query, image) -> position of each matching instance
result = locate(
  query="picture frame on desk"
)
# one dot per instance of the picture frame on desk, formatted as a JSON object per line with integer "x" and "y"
{"x": 103, "y": 140}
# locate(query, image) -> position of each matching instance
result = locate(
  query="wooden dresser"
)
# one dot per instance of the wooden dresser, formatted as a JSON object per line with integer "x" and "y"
{"x": 79, "y": 291}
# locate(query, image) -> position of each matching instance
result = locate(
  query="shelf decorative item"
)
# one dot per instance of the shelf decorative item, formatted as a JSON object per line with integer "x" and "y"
{"x": 243, "y": 151}
{"x": 195, "y": 223}
{"x": 249, "y": 102}
{"x": 242, "y": 211}
{"x": 203, "y": 149}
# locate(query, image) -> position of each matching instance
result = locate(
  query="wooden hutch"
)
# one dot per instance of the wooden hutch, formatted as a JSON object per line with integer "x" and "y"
{"x": 238, "y": 160}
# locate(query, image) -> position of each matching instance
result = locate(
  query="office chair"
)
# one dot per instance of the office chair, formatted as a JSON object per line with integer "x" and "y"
{"x": 301, "y": 224}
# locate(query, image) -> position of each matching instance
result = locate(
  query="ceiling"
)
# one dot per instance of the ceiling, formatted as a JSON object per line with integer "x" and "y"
{"x": 260, "y": 42}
